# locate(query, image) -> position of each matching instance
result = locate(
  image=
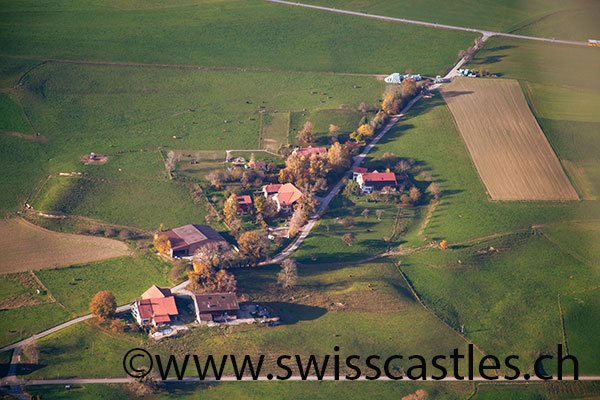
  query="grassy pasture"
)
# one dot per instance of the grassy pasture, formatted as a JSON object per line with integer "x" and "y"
{"x": 325, "y": 244}
{"x": 19, "y": 290}
{"x": 31, "y": 247}
{"x": 126, "y": 277}
{"x": 274, "y": 131}
{"x": 551, "y": 18}
{"x": 137, "y": 111}
{"x": 506, "y": 297}
{"x": 346, "y": 119}
{"x": 21, "y": 323}
{"x": 266, "y": 35}
{"x": 582, "y": 319}
{"x": 509, "y": 150}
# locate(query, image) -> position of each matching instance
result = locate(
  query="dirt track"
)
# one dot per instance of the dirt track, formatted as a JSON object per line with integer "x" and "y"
{"x": 26, "y": 246}
{"x": 509, "y": 150}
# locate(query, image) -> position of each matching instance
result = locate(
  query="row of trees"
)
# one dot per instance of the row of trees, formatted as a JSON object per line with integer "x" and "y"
{"x": 393, "y": 99}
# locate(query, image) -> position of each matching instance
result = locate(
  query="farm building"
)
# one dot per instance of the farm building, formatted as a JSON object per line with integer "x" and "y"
{"x": 370, "y": 181}
{"x": 245, "y": 203}
{"x": 309, "y": 151}
{"x": 270, "y": 190}
{"x": 257, "y": 165}
{"x": 357, "y": 171}
{"x": 215, "y": 307}
{"x": 185, "y": 240}
{"x": 157, "y": 307}
{"x": 285, "y": 196}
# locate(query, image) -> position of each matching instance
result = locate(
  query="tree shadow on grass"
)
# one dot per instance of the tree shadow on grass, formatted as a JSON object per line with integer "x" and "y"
{"x": 292, "y": 313}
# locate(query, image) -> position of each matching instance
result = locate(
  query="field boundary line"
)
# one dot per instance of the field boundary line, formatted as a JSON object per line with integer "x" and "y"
{"x": 418, "y": 298}
{"x": 260, "y": 132}
{"x": 49, "y": 293}
{"x": 563, "y": 329}
{"x": 198, "y": 67}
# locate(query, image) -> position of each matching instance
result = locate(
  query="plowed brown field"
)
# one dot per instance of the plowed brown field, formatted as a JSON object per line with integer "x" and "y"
{"x": 26, "y": 246}
{"x": 509, "y": 150}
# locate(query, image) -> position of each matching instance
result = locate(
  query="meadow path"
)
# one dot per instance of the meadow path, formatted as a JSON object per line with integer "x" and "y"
{"x": 428, "y": 24}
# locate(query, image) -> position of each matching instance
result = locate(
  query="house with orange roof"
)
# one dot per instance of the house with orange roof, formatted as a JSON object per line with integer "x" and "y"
{"x": 157, "y": 307}
{"x": 370, "y": 181}
{"x": 286, "y": 197}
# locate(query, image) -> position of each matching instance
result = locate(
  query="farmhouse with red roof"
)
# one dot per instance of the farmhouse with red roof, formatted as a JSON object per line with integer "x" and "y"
{"x": 157, "y": 307}
{"x": 370, "y": 181}
{"x": 284, "y": 196}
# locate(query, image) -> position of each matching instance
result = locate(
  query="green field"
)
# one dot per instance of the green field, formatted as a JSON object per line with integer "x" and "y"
{"x": 200, "y": 32}
{"x": 274, "y": 131}
{"x": 506, "y": 298}
{"x": 573, "y": 20}
{"x": 126, "y": 278}
{"x": 130, "y": 125}
{"x": 325, "y": 244}
{"x": 347, "y": 120}
{"x": 21, "y": 323}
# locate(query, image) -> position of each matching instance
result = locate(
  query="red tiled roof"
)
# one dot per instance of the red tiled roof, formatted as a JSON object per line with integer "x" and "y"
{"x": 156, "y": 292}
{"x": 379, "y": 177}
{"x": 288, "y": 194}
{"x": 244, "y": 200}
{"x": 158, "y": 308}
{"x": 272, "y": 188}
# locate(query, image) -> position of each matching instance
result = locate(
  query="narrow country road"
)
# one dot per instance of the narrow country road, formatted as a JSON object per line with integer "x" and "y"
{"x": 292, "y": 378}
{"x": 428, "y": 24}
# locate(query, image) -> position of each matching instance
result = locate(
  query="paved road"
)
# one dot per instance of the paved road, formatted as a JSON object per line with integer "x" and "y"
{"x": 293, "y": 378}
{"x": 428, "y": 24}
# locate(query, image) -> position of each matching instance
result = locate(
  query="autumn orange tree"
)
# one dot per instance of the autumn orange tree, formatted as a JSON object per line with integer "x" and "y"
{"x": 338, "y": 158}
{"x": 103, "y": 305}
{"x": 364, "y": 132}
{"x": 306, "y": 137}
{"x": 253, "y": 246}
{"x": 162, "y": 244}
{"x": 231, "y": 208}
{"x": 444, "y": 244}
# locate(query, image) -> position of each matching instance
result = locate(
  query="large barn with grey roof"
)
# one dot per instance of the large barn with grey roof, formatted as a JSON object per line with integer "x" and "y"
{"x": 185, "y": 240}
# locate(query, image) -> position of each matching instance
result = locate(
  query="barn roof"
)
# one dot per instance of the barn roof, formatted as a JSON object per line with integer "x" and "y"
{"x": 156, "y": 292}
{"x": 192, "y": 234}
{"x": 211, "y": 302}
